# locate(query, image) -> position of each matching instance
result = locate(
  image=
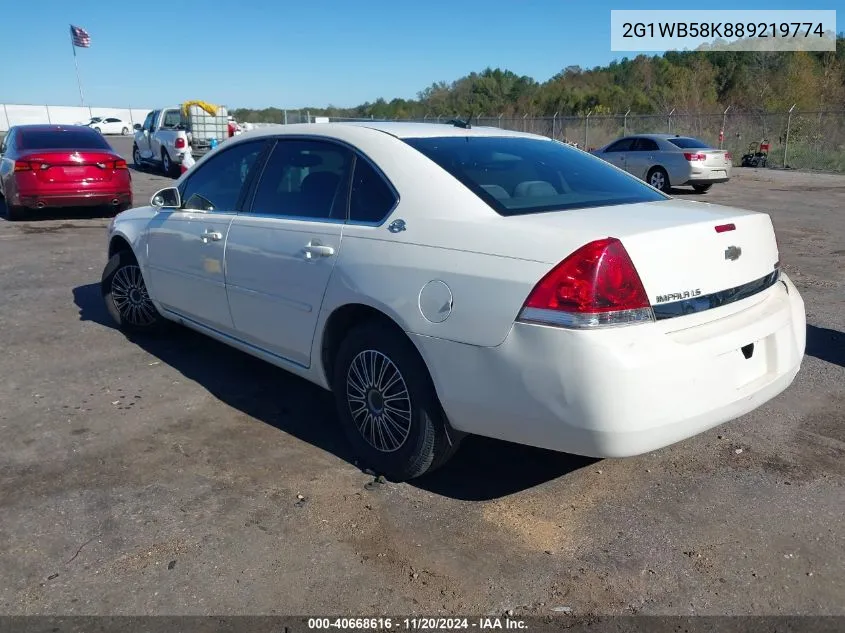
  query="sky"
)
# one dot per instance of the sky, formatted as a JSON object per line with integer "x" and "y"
{"x": 263, "y": 53}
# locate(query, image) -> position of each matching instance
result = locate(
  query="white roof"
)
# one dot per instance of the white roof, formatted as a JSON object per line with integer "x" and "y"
{"x": 394, "y": 128}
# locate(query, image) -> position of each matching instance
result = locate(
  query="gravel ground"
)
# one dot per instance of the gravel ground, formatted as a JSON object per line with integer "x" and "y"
{"x": 182, "y": 477}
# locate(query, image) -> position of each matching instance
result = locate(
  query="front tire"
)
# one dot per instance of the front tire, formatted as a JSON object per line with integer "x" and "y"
{"x": 659, "y": 179}
{"x": 387, "y": 404}
{"x": 136, "y": 157}
{"x": 701, "y": 188}
{"x": 125, "y": 294}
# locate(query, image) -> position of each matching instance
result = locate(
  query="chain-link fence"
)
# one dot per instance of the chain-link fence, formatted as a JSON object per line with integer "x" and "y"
{"x": 800, "y": 140}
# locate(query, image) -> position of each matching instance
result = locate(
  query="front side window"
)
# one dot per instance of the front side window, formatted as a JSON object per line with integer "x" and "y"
{"x": 371, "y": 198}
{"x": 148, "y": 122}
{"x": 622, "y": 145}
{"x": 304, "y": 179}
{"x": 517, "y": 175}
{"x": 217, "y": 184}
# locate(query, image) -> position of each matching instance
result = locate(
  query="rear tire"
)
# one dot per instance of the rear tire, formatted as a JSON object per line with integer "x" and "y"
{"x": 659, "y": 179}
{"x": 166, "y": 163}
{"x": 125, "y": 295}
{"x": 14, "y": 213}
{"x": 136, "y": 157}
{"x": 701, "y": 188}
{"x": 387, "y": 404}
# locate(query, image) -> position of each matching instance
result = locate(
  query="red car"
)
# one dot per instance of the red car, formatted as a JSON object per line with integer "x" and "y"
{"x": 61, "y": 166}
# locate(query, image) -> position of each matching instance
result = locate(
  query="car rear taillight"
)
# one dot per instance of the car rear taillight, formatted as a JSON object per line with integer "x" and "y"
{"x": 179, "y": 143}
{"x": 728, "y": 156}
{"x": 692, "y": 157}
{"x": 596, "y": 286}
{"x": 22, "y": 165}
{"x": 113, "y": 164}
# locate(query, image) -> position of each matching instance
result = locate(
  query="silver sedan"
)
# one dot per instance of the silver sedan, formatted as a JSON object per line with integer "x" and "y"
{"x": 667, "y": 160}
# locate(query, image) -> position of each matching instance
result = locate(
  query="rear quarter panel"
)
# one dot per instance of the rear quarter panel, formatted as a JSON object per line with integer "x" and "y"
{"x": 487, "y": 291}
{"x": 676, "y": 166}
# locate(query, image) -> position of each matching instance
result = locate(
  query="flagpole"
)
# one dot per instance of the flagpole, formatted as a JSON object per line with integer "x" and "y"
{"x": 76, "y": 64}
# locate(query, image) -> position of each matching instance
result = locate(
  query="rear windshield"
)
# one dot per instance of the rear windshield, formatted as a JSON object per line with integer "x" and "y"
{"x": 517, "y": 176}
{"x": 61, "y": 139}
{"x": 685, "y": 142}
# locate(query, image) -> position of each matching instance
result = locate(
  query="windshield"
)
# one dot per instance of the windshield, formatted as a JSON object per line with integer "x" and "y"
{"x": 685, "y": 142}
{"x": 61, "y": 139}
{"x": 523, "y": 175}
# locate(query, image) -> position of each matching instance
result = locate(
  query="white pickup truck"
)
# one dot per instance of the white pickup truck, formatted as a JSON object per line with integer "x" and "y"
{"x": 168, "y": 134}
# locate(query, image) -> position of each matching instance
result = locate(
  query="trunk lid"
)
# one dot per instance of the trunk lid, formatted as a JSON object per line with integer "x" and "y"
{"x": 713, "y": 158}
{"x": 674, "y": 244}
{"x": 61, "y": 167}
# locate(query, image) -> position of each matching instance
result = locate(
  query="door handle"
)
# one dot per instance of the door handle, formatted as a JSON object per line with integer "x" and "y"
{"x": 211, "y": 236}
{"x": 315, "y": 249}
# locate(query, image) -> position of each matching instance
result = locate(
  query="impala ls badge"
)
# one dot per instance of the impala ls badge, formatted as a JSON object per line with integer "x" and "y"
{"x": 732, "y": 253}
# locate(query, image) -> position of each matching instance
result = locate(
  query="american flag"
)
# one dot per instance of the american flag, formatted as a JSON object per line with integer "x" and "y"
{"x": 80, "y": 37}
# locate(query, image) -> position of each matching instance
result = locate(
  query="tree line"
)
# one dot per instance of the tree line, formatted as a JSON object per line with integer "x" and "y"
{"x": 695, "y": 81}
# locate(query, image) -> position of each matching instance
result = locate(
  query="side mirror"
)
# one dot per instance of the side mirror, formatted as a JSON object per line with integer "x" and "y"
{"x": 136, "y": 127}
{"x": 167, "y": 198}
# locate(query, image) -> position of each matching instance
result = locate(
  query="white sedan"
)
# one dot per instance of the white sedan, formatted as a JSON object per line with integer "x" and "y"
{"x": 110, "y": 125}
{"x": 444, "y": 281}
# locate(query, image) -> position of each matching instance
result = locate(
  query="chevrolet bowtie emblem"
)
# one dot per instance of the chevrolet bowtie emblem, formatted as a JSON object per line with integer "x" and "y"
{"x": 732, "y": 253}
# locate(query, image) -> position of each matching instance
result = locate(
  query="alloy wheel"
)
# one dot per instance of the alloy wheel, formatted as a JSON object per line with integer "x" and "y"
{"x": 379, "y": 400}
{"x": 129, "y": 294}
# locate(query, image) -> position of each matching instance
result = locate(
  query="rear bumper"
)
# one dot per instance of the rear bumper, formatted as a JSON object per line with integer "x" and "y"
{"x": 705, "y": 181}
{"x": 622, "y": 391}
{"x": 708, "y": 175}
{"x": 74, "y": 199}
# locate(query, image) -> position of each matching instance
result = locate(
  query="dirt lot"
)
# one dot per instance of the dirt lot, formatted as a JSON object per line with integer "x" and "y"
{"x": 164, "y": 477}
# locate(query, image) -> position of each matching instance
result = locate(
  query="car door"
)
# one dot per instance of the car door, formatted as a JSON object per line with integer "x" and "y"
{"x": 186, "y": 246}
{"x": 7, "y": 159}
{"x": 642, "y": 156}
{"x": 143, "y": 142}
{"x": 112, "y": 126}
{"x": 616, "y": 153}
{"x": 282, "y": 250}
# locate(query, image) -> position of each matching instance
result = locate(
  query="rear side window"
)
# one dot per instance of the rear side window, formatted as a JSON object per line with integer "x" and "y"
{"x": 372, "y": 198}
{"x": 685, "y": 142}
{"x": 304, "y": 179}
{"x": 645, "y": 145}
{"x": 517, "y": 176}
{"x": 61, "y": 139}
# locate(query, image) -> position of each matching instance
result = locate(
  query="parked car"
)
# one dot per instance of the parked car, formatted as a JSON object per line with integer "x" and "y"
{"x": 60, "y": 166}
{"x": 109, "y": 125}
{"x": 666, "y": 160}
{"x": 444, "y": 281}
{"x": 168, "y": 134}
